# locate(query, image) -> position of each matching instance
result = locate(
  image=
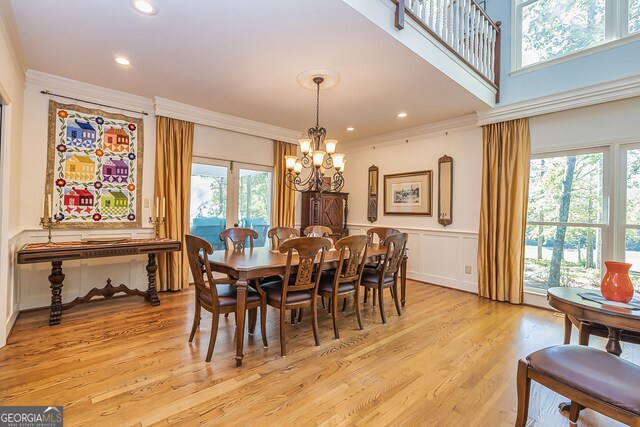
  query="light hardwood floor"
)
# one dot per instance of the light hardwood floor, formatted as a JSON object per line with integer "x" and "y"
{"x": 450, "y": 360}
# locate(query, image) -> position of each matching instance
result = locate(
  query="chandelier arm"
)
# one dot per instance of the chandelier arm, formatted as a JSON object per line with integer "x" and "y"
{"x": 306, "y": 162}
{"x": 327, "y": 162}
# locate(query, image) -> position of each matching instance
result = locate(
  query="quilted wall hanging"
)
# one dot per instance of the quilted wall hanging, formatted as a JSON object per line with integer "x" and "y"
{"x": 94, "y": 168}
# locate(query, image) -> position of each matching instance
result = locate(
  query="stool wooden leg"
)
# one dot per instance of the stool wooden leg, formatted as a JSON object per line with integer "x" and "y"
{"x": 523, "y": 385}
{"x": 574, "y": 412}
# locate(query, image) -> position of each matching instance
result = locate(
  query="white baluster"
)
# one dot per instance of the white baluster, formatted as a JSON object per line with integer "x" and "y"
{"x": 478, "y": 39}
{"x": 492, "y": 51}
{"x": 431, "y": 22}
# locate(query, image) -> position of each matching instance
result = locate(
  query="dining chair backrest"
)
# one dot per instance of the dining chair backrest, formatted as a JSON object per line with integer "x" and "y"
{"x": 354, "y": 249}
{"x": 318, "y": 231}
{"x": 197, "y": 252}
{"x": 280, "y": 234}
{"x": 381, "y": 232}
{"x": 396, "y": 245}
{"x": 236, "y": 237}
{"x": 307, "y": 249}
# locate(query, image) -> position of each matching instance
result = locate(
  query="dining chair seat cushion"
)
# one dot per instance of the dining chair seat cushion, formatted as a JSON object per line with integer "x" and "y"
{"x": 370, "y": 278}
{"x": 228, "y": 296}
{"x": 591, "y": 371}
{"x": 326, "y": 285}
{"x": 274, "y": 294}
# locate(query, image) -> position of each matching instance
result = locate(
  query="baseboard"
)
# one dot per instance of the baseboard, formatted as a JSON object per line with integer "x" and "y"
{"x": 444, "y": 282}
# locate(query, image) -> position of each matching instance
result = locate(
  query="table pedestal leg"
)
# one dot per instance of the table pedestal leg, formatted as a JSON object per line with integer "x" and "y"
{"x": 152, "y": 293}
{"x": 55, "y": 279}
{"x": 613, "y": 345}
{"x": 403, "y": 281}
{"x": 241, "y": 287}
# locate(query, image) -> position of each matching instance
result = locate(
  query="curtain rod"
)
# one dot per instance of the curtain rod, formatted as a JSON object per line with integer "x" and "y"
{"x": 46, "y": 92}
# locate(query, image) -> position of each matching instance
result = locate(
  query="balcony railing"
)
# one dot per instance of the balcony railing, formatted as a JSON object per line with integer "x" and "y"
{"x": 463, "y": 27}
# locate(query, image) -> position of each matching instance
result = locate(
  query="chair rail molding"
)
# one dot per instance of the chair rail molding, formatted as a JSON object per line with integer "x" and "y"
{"x": 613, "y": 90}
{"x": 177, "y": 110}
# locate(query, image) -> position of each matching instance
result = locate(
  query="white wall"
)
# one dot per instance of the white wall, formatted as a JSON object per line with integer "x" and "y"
{"x": 437, "y": 254}
{"x": 11, "y": 97}
{"x": 222, "y": 144}
{"x": 602, "y": 124}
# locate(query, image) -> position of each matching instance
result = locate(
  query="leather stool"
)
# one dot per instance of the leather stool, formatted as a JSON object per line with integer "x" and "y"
{"x": 591, "y": 378}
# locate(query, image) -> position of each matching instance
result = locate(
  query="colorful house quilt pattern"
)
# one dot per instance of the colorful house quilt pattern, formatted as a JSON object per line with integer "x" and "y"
{"x": 94, "y": 167}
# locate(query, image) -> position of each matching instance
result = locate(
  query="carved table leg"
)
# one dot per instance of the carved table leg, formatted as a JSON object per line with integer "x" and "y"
{"x": 55, "y": 279}
{"x": 241, "y": 287}
{"x": 152, "y": 293}
{"x": 403, "y": 281}
{"x": 613, "y": 345}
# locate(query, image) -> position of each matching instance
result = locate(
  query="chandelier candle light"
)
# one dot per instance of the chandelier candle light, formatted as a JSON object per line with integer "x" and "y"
{"x": 317, "y": 161}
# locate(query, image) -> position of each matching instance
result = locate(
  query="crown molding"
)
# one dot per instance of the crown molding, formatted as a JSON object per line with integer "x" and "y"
{"x": 74, "y": 88}
{"x": 177, "y": 110}
{"x": 614, "y": 90}
{"x": 7, "y": 23}
{"x": 430, "y": 130}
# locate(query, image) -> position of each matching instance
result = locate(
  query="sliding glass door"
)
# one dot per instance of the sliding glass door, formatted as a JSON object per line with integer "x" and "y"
{"x": 208, "y": 209}
{"x": 229, "y": 194}
{"x": 254, "y": 201}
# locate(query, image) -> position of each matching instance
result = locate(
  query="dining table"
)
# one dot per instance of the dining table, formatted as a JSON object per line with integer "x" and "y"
{"x": 248, "y": 265}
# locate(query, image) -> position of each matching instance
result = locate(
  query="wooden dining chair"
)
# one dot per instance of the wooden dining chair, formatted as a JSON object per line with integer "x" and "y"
{"x": 381, "y": 233}
{"x": 280, "y": 234}
{"x": 318, "y": 230}
{"x": 287, "y": 294}
{"x": 236, "y": 237}
{"x": 218, "y": 296}
{"x": 345, "y": 281}
{"x": 386, "y": 276}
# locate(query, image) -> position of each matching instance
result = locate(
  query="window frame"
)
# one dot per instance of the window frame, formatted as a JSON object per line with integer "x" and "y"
{"x": 605, "y": 225}
{"x": 616, "y": 33}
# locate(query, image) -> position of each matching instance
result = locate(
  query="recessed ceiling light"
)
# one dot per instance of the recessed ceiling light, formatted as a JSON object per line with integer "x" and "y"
{"x": 144, "y": 6}
{"x": 402, "y": 115}
{"x": 122, "y": 60}
{"x": 350, "y": 129}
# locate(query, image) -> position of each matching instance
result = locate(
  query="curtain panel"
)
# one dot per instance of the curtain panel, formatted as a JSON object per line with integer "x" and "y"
{"x": 284, "y": 200}
{"x": 174, "y": 151}
{"x": 503, "y": 211}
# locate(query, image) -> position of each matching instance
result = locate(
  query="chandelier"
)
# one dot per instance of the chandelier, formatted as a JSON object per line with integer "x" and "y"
{"x": 309, "y": 172}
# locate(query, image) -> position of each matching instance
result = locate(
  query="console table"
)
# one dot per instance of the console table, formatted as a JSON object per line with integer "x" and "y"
{"x": 56, "y": 253}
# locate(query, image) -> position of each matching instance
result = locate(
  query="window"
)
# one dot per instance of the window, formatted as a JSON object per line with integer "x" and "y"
{"x": 631, "y": 225}
{"x": 227, "y": 194}
{"x": 566, "y": 220}
{"x": 548, "y": 29}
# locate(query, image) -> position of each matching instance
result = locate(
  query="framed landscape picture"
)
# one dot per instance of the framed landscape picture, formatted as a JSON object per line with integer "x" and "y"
{"x": 408, "y": 193}
{"x": 94, "y": 168}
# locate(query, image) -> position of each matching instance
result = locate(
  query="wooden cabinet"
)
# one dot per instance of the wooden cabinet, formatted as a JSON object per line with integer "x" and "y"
{"x": 327, "y": 209}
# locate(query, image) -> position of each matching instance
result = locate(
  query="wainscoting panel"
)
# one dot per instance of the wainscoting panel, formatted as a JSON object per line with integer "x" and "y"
{"x": 439, "y": 256}
{"x": 80, "y": 276}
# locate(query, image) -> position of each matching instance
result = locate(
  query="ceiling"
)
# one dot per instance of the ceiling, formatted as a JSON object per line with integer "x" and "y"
{"x": 242, "y": 58}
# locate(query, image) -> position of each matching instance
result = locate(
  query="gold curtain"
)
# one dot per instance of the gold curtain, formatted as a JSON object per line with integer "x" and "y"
{"x": 174, "y": 149}
{"x": 284, "y": 200}
{"x": 503, "y": 211}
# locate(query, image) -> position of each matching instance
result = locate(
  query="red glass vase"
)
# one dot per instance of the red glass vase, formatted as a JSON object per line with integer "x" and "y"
{"x": 616, "y": 284}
